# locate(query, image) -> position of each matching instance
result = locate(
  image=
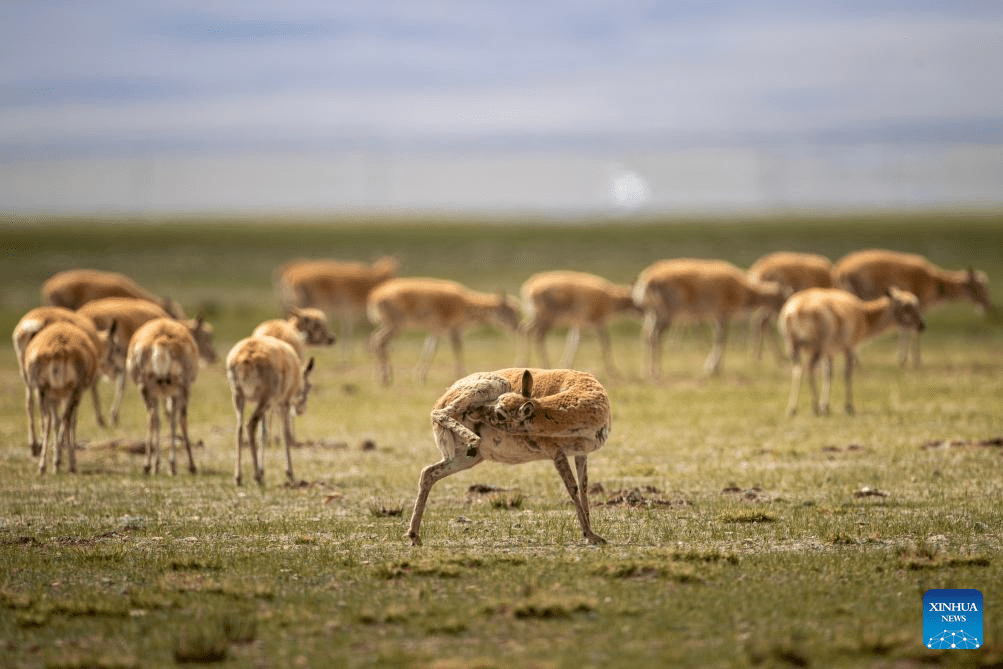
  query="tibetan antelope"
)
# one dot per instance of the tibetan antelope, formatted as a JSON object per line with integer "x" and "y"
{"x": 697, "y": 289}
{"x": 793, "y": 272}
{"x": 825, "y": 321}
{"x": 436, "y": 306}
{"x": 339, "y": 288}
{"x": 130, "y": 314}
{"x": 163, "y": 361}
{"x": 868, "y": 274}
{"x": 74, "y": 288}
{"x": 266, "y": 370}
{"x": 26, "y": 329}
{"x": 304, "y": 327}
{"x": 61, "y": 363}
{"x": 576, "y": 300}
{"x": 514, "y": 416}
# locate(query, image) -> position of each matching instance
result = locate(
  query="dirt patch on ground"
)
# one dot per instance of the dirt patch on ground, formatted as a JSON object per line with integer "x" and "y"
{"x": 644, "y": 496}
{"x": 329, "y": 444}
{"x": 131, "y": 446}
{"x": 850, "y": 448}
{"x": 753, "y": 494}
{"x": 935, "y": 444}
{"x": 485, "y": 489}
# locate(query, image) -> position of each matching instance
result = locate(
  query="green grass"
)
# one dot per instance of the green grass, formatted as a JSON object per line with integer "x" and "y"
{"x": 737, "y": 536}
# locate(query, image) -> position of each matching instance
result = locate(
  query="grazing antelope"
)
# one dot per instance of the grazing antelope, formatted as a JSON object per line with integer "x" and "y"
{"x": 163, "y": 361}
{"x": 74, "y": 288}
{"x": 60, "y": 363}
{"x": 266, "y": 370}
{"x": 436, "y": 306}
{"x": 793, "y": 272}
{"x": 26, "y": 329}
{"x": 336, "y": 287}
{"x": 304, "y": 327}
{"x": 868, "y": 274}
{"x": 697, "y": 289}
{"x": 825, "y": 321}
{"x": 514, "y": 416}
{"x": 130, "y": 314}
{"x": 575, "y": 300}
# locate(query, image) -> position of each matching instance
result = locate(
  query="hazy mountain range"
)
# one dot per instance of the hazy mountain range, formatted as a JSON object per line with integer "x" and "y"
{"x": 379, "y": 89}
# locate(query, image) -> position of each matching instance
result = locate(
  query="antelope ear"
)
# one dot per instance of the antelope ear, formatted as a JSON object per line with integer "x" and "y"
{"x": 527, "y": 384}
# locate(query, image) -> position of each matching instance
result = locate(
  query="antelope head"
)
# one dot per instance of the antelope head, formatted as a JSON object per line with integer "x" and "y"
{"x": 514, "y": 410}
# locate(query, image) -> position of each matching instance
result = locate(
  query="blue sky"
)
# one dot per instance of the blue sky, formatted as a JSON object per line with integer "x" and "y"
{"x": 100, "y": 79}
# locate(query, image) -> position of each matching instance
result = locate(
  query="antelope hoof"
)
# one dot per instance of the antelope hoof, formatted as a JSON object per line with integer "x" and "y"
{"x": 193, "y": 469}
{"x": 36, "y": 448}
{"x": 472, "y": 451}
{"x": 146, "y": 469}
{"x": 415, "y": 539}
{"x": 595, "y": 539}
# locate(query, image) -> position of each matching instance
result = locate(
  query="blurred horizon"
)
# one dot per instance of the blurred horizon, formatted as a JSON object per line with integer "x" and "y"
{"x": 565, "y": 108}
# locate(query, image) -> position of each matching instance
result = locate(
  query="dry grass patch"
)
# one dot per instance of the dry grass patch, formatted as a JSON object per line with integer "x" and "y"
{"x": 91, "y": 654}
{"x": 507, "y": 500}
{"x": 201, "y": 644}
{"x": 749, "y": 516}
{"x": 193, "y": 564}
{"x": 550, "y": 606}
{"x": 404, "y": 568}
{"x": 690, "y": 566}
{"x": 233, "y": 586}
{"x": 381, "y": 508}
{"x": 926, "y": 556}
{"x": 653, "y": 569}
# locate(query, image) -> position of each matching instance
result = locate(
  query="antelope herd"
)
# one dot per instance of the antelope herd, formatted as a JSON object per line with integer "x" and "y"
{"x": 98, "y": 323}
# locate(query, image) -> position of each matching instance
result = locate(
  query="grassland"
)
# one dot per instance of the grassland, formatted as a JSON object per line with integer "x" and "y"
{"x": 737, "y": 536}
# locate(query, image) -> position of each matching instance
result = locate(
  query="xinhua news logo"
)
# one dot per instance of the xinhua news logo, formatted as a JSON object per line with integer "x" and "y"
{"x": 952, "y": 619}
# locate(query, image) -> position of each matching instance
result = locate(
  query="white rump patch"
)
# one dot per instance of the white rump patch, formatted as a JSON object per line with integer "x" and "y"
{"x": 58, "y": 375}
{"x": 160, "y": 361}
{"x": 31, "y": 325}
